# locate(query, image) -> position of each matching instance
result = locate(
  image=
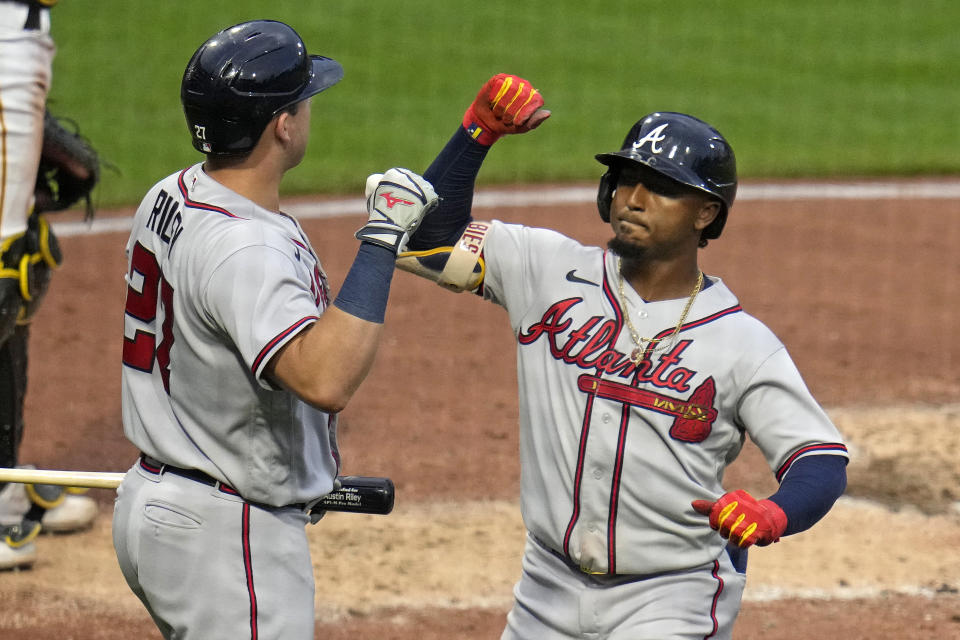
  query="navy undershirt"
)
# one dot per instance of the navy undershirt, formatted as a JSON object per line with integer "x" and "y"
{"x": 453, "y": 175}
{"x": 809, "y": 489}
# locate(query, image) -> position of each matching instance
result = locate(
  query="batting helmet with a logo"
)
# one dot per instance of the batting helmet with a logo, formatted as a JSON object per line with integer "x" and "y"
{"x": 680, "y": 147}
{"x": 243, "y": 76}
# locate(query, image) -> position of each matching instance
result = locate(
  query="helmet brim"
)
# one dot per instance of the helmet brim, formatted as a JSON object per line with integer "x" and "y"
{"x": 681, "y": 174}
{"x": 326, "y": 73}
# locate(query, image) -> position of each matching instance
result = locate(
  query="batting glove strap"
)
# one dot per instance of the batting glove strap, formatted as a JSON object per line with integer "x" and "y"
{"x": 383, "y": 234}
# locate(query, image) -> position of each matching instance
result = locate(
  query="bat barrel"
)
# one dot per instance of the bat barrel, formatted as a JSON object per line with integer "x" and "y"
{"x": 88, "y": 479}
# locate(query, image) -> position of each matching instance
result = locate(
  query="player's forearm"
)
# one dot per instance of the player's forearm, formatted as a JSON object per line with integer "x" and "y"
{"x": 809, "y": 490}
{"x": 453, "y": 175}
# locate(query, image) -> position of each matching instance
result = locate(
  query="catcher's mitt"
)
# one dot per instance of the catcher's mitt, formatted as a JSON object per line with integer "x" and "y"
{"x": 69, "y": 168}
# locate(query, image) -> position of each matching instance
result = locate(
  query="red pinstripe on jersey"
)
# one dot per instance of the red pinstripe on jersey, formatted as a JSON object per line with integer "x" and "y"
{"x": 615, "y": 491}
{"x": 273, "y": 343}
{"x": 200, "y": 205}
{"x": 716, "y": 599}
{"x": 813, "y": 448}
{"x": 248, "y": 571}
{"x": 585, "y": 427}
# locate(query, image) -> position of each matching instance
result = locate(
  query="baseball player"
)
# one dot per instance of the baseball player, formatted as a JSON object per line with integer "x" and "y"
{"x": 235, "y": 362}
{"x": 28, "y": 256}
{"x": 640, "y": 377}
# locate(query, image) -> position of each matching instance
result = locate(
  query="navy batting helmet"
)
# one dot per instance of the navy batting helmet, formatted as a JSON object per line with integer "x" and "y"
{"x": 680, "y": 147}
{"x": 243, "y": 76}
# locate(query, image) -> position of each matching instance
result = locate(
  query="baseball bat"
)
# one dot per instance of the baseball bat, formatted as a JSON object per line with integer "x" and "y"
{"x": 90, "y": 479}
{"x": 357, "y": 494}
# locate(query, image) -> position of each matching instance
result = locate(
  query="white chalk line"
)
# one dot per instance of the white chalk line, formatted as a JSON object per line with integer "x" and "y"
{"x": 552, "y": 196}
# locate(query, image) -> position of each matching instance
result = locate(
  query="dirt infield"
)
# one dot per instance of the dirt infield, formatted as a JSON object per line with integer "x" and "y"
{"x": 863, "y": 293}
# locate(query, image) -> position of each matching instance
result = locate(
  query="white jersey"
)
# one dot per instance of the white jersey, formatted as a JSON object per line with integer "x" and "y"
{"x": 613, "y": 453}
{"x": 216, "y": 286}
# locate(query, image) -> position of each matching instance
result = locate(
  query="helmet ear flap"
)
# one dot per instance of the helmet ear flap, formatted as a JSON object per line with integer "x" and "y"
{"x": 608, "y": 184}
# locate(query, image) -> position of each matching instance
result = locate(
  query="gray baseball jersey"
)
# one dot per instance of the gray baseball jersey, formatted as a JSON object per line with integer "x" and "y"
{"x": 216, "y": 286}
{"x": 612, "y": 453}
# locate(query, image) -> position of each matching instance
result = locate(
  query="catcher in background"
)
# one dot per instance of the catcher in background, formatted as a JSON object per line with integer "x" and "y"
{"x": 639, "y": 379}
{"x": 44, "y": 167}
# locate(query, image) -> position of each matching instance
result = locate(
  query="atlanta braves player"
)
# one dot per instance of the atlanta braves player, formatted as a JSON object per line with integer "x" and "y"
{"x": 234, "y": 362}
{"x": 639, "y": 379}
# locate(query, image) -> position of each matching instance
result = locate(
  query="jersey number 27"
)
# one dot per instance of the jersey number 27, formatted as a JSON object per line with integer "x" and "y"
{"x": 141, "y": 351}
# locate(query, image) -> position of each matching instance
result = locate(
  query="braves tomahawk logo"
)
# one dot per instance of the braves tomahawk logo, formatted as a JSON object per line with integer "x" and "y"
{"x": 693, "y": 418}
{"x": 392, "y": 200}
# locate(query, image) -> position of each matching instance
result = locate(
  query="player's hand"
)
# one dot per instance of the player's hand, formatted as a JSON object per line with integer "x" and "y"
{"x": 506, "y": 104}
{"x": 397, "y": 202}
{"x": 316, "y": 514}
{"x": 744, "y": 520}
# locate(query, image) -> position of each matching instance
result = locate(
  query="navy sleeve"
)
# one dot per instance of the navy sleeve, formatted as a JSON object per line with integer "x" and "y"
{"x": 366, "y": 288}
{"x": 453, "y": 174}
{"x": 809, "y": 490}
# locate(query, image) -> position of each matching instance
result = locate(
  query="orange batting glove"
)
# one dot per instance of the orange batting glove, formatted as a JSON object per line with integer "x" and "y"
{"x": 744, "y": 520}
{"x": 506, "y": 104}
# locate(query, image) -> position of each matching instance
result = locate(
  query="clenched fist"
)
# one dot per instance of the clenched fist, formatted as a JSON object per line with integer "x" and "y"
{"x": 744, "y": 520}
{"x": 506, "y": 104}
{"x": 397, "y": 202}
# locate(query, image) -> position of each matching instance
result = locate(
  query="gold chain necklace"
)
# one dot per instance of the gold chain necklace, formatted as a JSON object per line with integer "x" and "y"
{"x": 653, "y": 344}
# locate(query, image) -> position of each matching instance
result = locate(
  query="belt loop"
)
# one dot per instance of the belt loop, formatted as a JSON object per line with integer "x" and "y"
{"x": 150, "y": 461}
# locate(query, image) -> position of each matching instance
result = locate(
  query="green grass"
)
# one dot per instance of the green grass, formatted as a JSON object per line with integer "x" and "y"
{"x": 799, "y": 88}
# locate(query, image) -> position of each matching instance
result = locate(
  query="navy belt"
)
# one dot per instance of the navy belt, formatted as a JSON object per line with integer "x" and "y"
{"x": 155, "y": 466}
{"x": 565, "y": 559}
{"x": 560, "y": 556}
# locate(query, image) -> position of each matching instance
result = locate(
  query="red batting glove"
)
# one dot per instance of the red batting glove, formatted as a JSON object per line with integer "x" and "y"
{"x": 744, "y": 520}
{"x": 506, "y": 104}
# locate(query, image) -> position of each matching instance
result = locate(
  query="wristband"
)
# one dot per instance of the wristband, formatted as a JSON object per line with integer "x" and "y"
{"x": 366, "y": 288}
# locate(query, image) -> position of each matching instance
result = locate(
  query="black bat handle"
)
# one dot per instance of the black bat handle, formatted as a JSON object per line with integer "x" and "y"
{"x": 360, "y": 494}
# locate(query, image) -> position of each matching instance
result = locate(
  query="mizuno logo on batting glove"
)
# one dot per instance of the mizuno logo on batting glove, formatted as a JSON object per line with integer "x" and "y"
{"x": 397, "y": 201}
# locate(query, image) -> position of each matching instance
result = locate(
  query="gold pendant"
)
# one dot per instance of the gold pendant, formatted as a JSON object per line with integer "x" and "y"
{"x": 636, "y": 356}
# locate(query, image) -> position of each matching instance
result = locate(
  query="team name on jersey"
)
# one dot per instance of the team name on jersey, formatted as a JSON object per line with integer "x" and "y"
{"x": 591, "y": 346}
{"x": 165, "y": 219}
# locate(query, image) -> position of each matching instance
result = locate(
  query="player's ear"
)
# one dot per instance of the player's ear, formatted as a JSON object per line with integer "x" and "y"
{"x": 281, "y": 126}
{"x": 708, "y": 212}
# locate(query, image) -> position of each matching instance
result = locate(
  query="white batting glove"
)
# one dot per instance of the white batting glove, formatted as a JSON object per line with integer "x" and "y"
{"x": 397, "y": 202}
